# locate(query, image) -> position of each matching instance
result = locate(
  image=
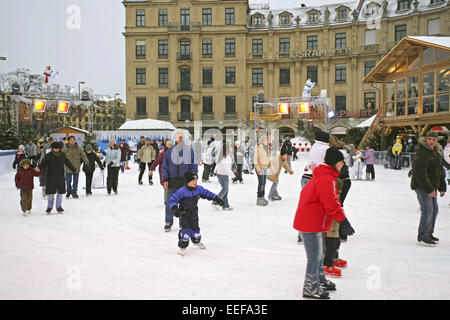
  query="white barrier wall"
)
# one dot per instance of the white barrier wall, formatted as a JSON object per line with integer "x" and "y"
{"x": 6, "y": 160}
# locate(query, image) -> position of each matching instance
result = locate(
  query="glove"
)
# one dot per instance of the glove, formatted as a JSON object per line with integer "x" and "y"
{"x": 346, "y": 228}
{"x": 176, "y": 212}
{"x": 219, "y": 201}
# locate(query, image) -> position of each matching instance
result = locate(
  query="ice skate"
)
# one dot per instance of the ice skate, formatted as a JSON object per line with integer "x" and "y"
{"x": 328, "y": 285}
{"x": 48, "y": 211}
{"x": 322, "y": 295}
{"x": 426, "y": 243}
{"x": 228, "y": 208}
{"x": 167, "y": 227}
{"x": 60, "y": 210}
{"x": 332, "y": 272}
{"x": 340, "y": 263}
{"x": 261, "y": 202}
{"x": 200, "y": 245}
{"x": 181, "y": 251}
{"x": 215, "y": 206}
{"x": 433, "y": 238}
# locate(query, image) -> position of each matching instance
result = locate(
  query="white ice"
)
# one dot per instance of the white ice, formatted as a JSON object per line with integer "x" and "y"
{"x": 114, "y": 247}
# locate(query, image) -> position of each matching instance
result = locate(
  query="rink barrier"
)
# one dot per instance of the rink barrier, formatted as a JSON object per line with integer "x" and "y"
{"x": 6, "y": 160}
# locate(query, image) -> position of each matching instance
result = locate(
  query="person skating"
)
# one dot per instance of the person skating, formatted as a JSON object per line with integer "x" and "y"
{"x": 125, "y": 153}
{"x": 146, "y": 156}
{"x": 177, "y": 160}
{"x": 397, "y": 151}
{"x": 46, "y": 148}
{"x": 75, "y": 154}
{"x": 208, "y": 160}
{"x": 369, "y": 159}
{"x": 427, "y": 179}
{"x": 31, "y": 151}
{"x": 24, "y": 180}
{"x": 89, "y": 170}
{"x": 184, "y": 205}
{"x": 20, "y": 155}
{"x": 223, "y": 171}
{"x": 287, "y": 145}
{"x": 261, "y": 162}
{"x": 55, "y": 162}
{"x": 158, "y": 162}
{"x": 318, "y": 205}
{"x": 315, "y": 157}
{"x": 280, "y": 161}
{"x": 239, "y": 155}
{"x": 112, "y": 161}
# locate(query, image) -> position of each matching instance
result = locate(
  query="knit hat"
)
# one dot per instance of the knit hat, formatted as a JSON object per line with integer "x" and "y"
{"x": 21, "y": 147}
{"x": 322, "y": 136}
{"x": 89, "y": 147}
{"x": 24, "y": 162}
{"x": 333, "y": 156}
{"x": 56, "y": 145}
{"x": 189, "y": 176}
{"x": 432, "y": 134}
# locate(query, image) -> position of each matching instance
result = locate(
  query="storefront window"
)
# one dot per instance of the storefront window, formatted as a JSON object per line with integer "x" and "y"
{"x": 428, "y": 104}
{"x": 389, "y": 109}
{"x": 442, "y": 102}
{"x": 400, "y": 108}
{"x": 443, "y": 80}
{"x": 413, "y": 87}
{"x": 428, "y": 84}
{"x": 390, "y": 92}
{"x": 401, "y": 90}
{"x": 413, "y": 106}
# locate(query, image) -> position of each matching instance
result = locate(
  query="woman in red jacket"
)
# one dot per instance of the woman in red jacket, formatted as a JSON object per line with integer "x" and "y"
{"x": 319, "y": 204}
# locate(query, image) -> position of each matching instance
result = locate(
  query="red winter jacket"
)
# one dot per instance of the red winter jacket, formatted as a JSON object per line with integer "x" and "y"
{"x": 25, "y": 178}
{"x": 319, "y": 202}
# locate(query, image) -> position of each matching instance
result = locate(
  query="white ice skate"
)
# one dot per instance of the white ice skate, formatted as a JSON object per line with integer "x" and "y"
{"x": 200, "y": 245}
{"x": 181, "y": 251}
{"x": 215, "y": 206}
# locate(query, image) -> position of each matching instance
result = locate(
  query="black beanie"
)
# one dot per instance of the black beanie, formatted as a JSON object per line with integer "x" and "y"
{"x": 56, "y": 145}
{"x": 333, "y": 156}
{"x": 189, "y": 176}
{"x": 322, "y": 136}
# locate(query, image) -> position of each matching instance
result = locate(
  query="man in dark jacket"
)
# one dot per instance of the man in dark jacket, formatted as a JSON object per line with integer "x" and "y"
{"x": 287, "y": 146}
{"x": 177, "y": 160}
{"x": 89, "y": 170}
{"x": 428, "y": 177}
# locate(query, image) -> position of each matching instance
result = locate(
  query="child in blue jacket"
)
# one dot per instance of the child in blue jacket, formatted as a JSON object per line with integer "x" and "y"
{"x": 183, "y": 204}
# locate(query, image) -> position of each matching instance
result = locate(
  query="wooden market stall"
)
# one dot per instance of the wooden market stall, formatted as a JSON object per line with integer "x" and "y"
{"x": 64, "y": 133}
{"x": 414, "y": 77}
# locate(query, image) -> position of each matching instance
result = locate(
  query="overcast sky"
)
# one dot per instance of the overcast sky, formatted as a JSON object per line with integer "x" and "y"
{"x": 35, "y": 34}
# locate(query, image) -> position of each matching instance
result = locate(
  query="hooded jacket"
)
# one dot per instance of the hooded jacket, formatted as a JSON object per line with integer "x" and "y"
{"x": 75, "y": 154}
{"x": 55, "y": 163}
{"x": 319, "y": 202}
{"x": 315, "y": 157}
{"x": 427, "y": 170}
{"x": 25, "y": 178}
{"x": 177, "y": 160}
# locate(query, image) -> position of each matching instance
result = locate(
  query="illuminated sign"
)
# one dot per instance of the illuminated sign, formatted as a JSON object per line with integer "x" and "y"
{"x": 63, "y": 107}
{"x": 39, "y": 105}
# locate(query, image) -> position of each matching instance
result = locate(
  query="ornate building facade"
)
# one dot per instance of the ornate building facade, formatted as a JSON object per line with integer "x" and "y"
{"x": 206, "y": 60}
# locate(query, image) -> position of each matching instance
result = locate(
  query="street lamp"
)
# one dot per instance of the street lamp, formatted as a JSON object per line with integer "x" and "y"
{"x": 3, "y": 58}
{"x": 79, "y": 89}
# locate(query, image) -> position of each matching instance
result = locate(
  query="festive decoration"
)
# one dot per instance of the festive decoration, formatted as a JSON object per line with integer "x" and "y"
{"x": 63, "y": 107}
{"x": 48, "y": 73}
{"x": 307, "y": 88}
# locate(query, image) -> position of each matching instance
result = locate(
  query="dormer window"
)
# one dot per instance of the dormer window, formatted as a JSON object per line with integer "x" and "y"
{"x": 342, "y": 14}
{"x": 372, "y": 10}
{"x": 285, "y": 19}
{"x": 403, "y": 5}
{"x": 257, "y": 20}
{"x": 313, "y": 17}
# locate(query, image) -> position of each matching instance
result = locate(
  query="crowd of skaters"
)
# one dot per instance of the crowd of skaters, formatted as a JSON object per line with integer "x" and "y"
{"x": 325, "y": 181}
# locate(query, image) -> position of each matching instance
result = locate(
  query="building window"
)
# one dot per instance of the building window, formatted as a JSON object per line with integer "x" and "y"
{"x": 207, "y": 47}
{"x": 403, "y": 5}
{"x": 368, "y": 66}
{"x": 285, "y": 19}
{"x": 257, "y": 46}
{"x": 185, "y": 49}
{"x": 141, "y": 106}
{"x": 369, "y": 100}
{"x": 229, "y": 16}
{"x": 207, "y": 105}
{"x": 434, "y": 27}
{"x": 185, "y": 19}
{"x": 341, "y": 73}
{"x": 285, "y": 45}
{"x": 313, "y": 17}
{"x": 311, "y": 43}
{"x": 400, "y": 32}
{"x": 162, "y": 18}
{"x": 140, "y": 76}
{"x": 312, "y": 73}
{"x": 140, "y": 49}
{"x": 163, "y": 48}
{"x": 163, "y": 106}
{"x": 285, "y": 76}
{"x": 370, "y": 37}
{"x": 340, "y": 40}
{"x": 207, "y": 76}
{"x": 140, "y": 18}
{"x": 163, "y": 77}
{"x": 230, "y": 75}
{"x": 230, "y": 104}
{"x": 207, "y": 16}
{"x": 342, "y": 14}
{"x": 340, "y": 104}
{"x": 257, "y": 21}
{"x": 230, "y": 47}
{"x": 257, "y": 77}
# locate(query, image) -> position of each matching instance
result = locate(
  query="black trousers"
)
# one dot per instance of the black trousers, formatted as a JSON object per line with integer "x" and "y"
{"x": 112, "y": 179}
{"x": 142, "y": 170}
{"x": 345, "y": 188}
{"x": 206, "y": 168}
{"x": 370, "y": 171}
{"x": 331, "y": 248}
{"x": 238, "y": 173}
{"x": 89, "y": 176}
{"x": 190, "y": 229}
